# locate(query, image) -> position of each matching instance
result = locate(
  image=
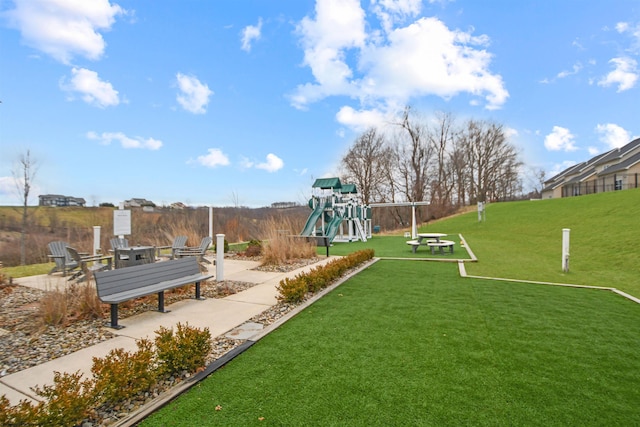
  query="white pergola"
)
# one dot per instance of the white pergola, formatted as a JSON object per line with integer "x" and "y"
{"x": 414, "y": 226}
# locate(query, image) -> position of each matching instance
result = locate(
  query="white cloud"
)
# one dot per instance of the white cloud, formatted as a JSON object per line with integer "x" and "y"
{"x": 63, "y": 28}
{"x": 625, "y": 74}
{"x": 510, "y": 132}
{"x": 559, "y": 167}
{"x": 424, "y": 58}
{"x": 593, "y": 151}
{"x": 362, "y": 119}
{"x": 391, "y": 12}
{"x": 613, "y": 135}
{"x": 93, "y": 91}
{"x": 251, "y": 33}
{"x": 339, "y": 25}
{"x": 634, "y": 31}
{"x": 7, "y": 185}
{"x": 245, "y": 163}
{"x": 575, "y": 70}
{"x": 273, "y": 163}
{"x": 214, "y": 158}
{"x": 560, "y": 139}
{"x": 106, "y": 138}
{"x": 194, "y": 95}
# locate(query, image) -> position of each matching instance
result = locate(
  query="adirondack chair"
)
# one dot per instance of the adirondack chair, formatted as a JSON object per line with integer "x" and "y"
{"x": 87, "y": 270}
{"x": 197, "y": 251}
{"x": 58, "y": 253}
{"x": 180, "y": 242}
{"x": 119, "y": 243}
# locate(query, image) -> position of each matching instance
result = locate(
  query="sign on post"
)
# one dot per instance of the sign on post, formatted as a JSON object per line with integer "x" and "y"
{"x": 121, "y": 222}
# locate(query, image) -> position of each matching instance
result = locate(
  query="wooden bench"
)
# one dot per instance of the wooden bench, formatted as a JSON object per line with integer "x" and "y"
{"x": 442, "y": 244}
{"x": 124, "y": 284}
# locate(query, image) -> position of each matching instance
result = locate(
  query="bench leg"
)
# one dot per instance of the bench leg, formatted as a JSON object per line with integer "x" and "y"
{"x": 114, "y": 317}
{"x": 161, "y": 303}
{"x": 198, "y": 296}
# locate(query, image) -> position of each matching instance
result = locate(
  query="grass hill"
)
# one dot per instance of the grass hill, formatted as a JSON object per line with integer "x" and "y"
{"x": 523, "y": 240}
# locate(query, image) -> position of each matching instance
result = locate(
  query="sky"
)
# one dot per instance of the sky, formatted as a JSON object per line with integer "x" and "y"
{"x": 247, "y": 102}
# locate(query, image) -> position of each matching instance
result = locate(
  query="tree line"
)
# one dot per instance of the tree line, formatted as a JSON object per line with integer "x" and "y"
{"x": 446, "y": 163}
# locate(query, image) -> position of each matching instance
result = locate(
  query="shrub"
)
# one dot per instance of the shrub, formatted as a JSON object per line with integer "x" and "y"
{"x": 187, "y": 350}
{"x": 294, "y": 290}
{"x": 53, "y": 308}
{"x": 23, "y": 414}
{"x": 85, "y": 301}
{"x": 226, "y": 246}
{"x": 65, "y": 403}
{"x": 282, "y": 245}
{"x": 254, "y": 248}
{"x": 121, "y": 375}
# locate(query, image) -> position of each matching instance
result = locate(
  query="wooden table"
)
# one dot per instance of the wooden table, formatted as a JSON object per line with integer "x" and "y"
{"x": 134, "y": 255}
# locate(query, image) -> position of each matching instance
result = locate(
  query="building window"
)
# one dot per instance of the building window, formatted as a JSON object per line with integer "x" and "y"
{"x": 618, "y": 184}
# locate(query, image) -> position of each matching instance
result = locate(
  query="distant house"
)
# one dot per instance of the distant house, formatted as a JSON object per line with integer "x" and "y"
{"x": 618, "y": 169}
{"x": 177, "y": 205}
{"x": 284, "y": 205}
{"x": 137, "y": 203}
{"x": 60, "y": 200}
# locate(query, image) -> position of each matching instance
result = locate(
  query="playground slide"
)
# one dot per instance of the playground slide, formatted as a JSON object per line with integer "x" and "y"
{"x": 332, "y": 227}
{"x": 313, "y": 218}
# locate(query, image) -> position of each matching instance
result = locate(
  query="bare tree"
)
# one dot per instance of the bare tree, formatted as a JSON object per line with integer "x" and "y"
{"x": 492, "y": 162}
{"x": 440, "y": 138}
{"x": 414, "y": 155}
{"x": 366, "y": 165}
{"x": 24, "y": 174}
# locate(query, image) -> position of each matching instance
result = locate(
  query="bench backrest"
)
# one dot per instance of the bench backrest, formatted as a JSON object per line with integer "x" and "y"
{"x": 58, "y": 250}
{"x": 73, "y": 253}
{"x": 124, "y": 279}
{"x": 179, "y": 242}
{"x": 119, "y": 243}
{"x": 205, "y": 243}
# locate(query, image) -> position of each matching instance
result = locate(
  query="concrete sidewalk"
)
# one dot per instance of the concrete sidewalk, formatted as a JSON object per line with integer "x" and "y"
{"x": 219, "y": 315}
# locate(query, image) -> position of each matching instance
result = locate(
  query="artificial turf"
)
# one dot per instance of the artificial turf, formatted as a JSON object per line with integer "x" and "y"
{"x": 411, "y": 343}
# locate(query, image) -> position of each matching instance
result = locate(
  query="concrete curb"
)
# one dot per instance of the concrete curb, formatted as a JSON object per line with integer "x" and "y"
{"x": 463, "y": 273}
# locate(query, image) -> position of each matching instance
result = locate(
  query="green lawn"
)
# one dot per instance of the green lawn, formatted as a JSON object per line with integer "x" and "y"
{"x": 412, "y": 343}
{"x": 523, "y": 240}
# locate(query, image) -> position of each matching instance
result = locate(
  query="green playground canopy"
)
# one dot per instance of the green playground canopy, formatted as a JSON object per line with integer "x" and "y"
{"x": 348, "y": 189}
{"x": 327, "y": 183}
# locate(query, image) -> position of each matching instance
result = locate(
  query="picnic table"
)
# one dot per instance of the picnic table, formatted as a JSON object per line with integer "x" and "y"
{"x": 433, "y": 241}
{"x": 430, "y": 236}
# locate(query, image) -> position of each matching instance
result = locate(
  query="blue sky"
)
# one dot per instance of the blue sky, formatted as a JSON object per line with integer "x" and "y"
{"x": 212, "y": 102}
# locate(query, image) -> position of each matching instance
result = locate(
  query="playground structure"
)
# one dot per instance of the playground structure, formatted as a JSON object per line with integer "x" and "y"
{"x": 337, "y": 212}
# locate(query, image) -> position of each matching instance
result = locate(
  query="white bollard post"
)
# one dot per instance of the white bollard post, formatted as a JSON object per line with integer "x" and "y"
{"x": 96, "y": 239}
{"x": 211, "y": 221}
{"x": 414, "y": 225}
{"x": 565, "y": 249}
{"x": 219, "y": 257}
